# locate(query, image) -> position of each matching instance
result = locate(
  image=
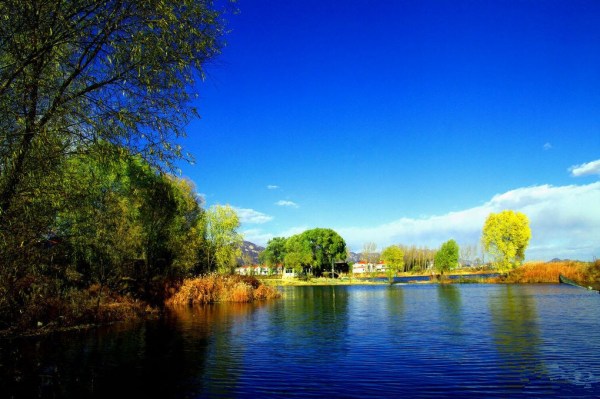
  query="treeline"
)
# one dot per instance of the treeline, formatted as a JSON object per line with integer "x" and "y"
{"x": 417, "y": 258}
{"x": 107, "y": 220}
{"x": 94, "y": 99}
{"x": 420, "y": 258}
{"x": 505, "y": 237}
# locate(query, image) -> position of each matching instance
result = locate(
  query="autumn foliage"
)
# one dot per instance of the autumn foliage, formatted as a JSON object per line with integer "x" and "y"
{"x": 548, "y": 272}
{"x": 219, "y": 288}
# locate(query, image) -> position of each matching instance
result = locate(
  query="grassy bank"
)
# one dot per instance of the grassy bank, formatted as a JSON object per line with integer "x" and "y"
{"x": 217, "y": 288}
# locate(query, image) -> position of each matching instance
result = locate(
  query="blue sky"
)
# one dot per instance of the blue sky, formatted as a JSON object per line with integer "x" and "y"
{"x": 406, "y": 121}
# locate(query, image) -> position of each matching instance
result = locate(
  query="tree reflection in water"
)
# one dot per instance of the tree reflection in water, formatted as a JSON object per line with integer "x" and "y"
{"x": 516, "y": 336}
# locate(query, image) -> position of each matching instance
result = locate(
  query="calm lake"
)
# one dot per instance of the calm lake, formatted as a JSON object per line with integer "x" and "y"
{"x": 470, "y": 340}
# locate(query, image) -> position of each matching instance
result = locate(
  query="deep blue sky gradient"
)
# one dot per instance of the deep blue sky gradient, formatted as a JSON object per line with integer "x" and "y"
{"x": 365, "y": 112}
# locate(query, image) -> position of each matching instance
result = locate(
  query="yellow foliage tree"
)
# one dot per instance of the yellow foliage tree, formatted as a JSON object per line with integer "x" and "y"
{"x": 505, "y": 237}
{"x": 393, "y": 256}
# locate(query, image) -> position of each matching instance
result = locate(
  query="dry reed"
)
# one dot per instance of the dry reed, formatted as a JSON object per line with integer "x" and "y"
{"x": 218, "y": 288}
{"x": 548, "y": 272}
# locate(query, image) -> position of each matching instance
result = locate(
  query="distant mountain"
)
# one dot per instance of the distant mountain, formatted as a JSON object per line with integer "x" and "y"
{"x": 250, "y": 250}
{"x": 354, "y": 257}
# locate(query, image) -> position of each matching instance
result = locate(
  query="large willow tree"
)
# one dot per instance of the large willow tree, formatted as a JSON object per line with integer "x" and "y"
{"x": 73, "y": 72}
{"x": 96, "y": 82}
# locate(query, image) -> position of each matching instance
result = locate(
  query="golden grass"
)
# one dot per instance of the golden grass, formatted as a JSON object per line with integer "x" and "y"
{"x": 548, "y": 272}
{"x": 218, "y": 288}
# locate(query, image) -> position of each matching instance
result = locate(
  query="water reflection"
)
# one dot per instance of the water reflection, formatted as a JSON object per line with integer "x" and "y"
{"x": 516, "y": 335}
{"x": 450, "y": 305}
{"x": 320, "y": 316}
{"x": 372, "y": 341}
{"x": 217, "y": 324}
{"x": 394, "y": 300}
{"x": 122, "y": 361}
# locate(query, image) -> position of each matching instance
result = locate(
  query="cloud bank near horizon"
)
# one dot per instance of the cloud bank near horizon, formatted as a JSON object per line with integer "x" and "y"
{"x": 564, "y": 220}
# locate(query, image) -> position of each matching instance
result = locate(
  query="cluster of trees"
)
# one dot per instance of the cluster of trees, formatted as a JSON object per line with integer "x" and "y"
{"x": 112, "y": 220}
{"x": 94, "y": 97}
{"x": 417, "y": 258}
{"x": 313, "y": 251}
{"x": 414, "y": 258}
{"x": 505, "y": 237}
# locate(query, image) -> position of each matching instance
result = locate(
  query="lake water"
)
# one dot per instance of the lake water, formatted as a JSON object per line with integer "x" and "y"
{"x": 417, "y": 340}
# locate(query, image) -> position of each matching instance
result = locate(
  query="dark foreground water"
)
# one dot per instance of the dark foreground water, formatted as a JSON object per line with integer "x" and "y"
{"x": 372, "y": 341}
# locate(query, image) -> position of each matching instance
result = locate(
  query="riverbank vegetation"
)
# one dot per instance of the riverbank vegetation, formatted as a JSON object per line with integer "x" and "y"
{"x": 215, "y": 288}
{"x": 585, "y": 273}
{"x": 94, "y": 100}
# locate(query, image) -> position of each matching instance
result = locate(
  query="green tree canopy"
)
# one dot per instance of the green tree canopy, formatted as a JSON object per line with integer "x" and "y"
{"x": 393, "y": 256}
{"x": 274, "y": 253}
{"x": 120, "y": 210}
{"x": 505, "y": 237}
{"x": 446, "y": 258}
{"x": 326, "y": 246}
{"x": 298, "y": 253}
{"x": 316, "y": 249}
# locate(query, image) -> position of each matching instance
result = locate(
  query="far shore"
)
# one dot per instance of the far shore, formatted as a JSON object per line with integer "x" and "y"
{"x": 586, "y": 274}
{"x": 365, "y": 280}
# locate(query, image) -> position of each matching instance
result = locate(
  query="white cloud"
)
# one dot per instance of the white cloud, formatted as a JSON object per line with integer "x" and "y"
{"x": 257, "y": 236}
{"x": 290, "y": 204}
{"x": 251, "y": 216}
{"x": 272, "y": 187}
{"x": 565, "y": 223}
{"x": 590, "y": 168}
{"x": 547, "y": 146}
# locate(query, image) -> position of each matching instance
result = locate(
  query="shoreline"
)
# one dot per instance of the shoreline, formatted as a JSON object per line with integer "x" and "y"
{"x": 324, "y": 281}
